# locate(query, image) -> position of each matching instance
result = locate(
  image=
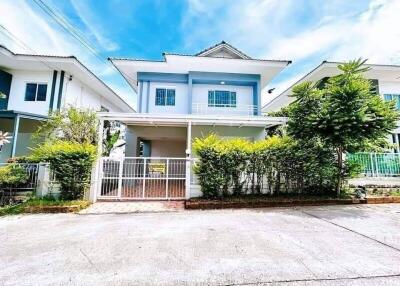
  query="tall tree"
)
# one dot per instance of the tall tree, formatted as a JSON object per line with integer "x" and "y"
{"x": 345, "y": 114}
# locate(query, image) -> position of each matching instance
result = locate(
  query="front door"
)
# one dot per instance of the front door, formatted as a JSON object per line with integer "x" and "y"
{"x": 146, "y": 145}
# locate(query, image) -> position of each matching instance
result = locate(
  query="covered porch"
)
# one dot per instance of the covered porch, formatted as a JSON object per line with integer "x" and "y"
{"x": 159, "y": 157}
{"x": 20, "y": 127}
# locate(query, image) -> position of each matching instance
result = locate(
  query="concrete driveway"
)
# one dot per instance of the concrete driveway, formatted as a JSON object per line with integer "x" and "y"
{"x": 337, "y": 245}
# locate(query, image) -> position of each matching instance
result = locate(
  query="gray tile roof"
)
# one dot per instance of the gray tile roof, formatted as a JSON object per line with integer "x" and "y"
{"x": 226, "y": 44}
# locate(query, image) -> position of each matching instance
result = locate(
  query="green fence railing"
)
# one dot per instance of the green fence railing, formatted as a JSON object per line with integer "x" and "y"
{"x": 377, "y": 164}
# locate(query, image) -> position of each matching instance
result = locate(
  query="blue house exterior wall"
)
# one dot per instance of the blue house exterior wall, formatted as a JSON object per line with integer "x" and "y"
{"x": 229, "y": 79}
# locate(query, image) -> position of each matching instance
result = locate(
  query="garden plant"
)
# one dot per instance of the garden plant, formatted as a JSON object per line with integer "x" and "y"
{"x": 68, "y": 144}
{"x": 345, "y": 114}
{"x": 327, "y": 120}
{"x": 71, "y": 164}
{"x": 11, "y": 175}
{"x": 274, "y": 166}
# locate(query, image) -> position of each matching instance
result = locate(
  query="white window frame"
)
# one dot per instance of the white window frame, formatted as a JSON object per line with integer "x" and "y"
{"x": 223, "y": 105}
{"x": 164, "y": 87}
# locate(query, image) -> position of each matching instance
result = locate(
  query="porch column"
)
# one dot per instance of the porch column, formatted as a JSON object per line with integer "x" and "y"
{"x": 95, "y": 184}
{"x": 188, "y": 159}
{"x": 15, "y": 136}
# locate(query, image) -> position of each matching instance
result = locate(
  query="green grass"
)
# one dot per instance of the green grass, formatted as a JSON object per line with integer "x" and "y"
{"x": 395, "y": 193}
{"x": 40, "y": 202}
{"x": 11, "y": 210}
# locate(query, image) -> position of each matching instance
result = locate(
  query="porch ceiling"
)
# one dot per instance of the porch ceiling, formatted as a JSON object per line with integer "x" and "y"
{"x": 14, "y": 113}
{"x": 184, "y": 120}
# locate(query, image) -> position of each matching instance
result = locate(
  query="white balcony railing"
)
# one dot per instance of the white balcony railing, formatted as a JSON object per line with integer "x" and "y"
{"x": 224, "y": 109}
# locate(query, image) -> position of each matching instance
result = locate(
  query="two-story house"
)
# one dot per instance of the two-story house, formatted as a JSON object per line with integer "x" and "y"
{"x": 180, "y": 98}
{"x": 385, "y": 78}
{"x": 33, "y": 85}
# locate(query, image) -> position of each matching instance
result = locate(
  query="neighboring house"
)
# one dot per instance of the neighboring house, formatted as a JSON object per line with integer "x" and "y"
{"x": 33, "y": 85}
{"x": 180, "y": 98}
{"x": 385, "y": 78}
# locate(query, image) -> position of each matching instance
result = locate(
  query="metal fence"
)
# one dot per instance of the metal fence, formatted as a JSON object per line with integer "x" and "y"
{"x": 13, "y": 193}
{"x": 32, "y": 171}
{"x": 143, "y": 178}
{"x": 377, "y": 164}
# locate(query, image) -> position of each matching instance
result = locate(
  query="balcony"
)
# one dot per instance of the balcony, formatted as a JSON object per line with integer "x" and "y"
{"x": 224, "y": 109}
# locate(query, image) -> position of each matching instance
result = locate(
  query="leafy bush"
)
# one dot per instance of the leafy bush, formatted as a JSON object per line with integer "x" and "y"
{"x": 111, "y": 134}
{"x": 71, "y": 164}
{"x": 12, "y": 175}
{"x": 345, "y": 113}
{"x": 274, "y": 165}
{"x": 21, "y": 159}
{"x": 209, "y": 167}
{"x": 71, "y": 125}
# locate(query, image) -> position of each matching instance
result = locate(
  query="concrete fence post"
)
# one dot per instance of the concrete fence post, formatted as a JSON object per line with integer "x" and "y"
{"x": 188, "y": 178}
{"x": 94, "y": 181}
{"x": 43, "y": 180}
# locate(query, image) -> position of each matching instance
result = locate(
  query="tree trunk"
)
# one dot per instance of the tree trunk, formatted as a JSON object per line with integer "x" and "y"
{"x": 339, "y": 152}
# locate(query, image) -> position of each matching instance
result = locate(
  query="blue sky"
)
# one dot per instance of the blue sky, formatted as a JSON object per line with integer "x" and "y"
{"x": 305, "y": 31}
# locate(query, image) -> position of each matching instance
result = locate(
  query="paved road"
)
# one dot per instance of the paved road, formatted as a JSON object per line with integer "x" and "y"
{"x": 338, "y": 245}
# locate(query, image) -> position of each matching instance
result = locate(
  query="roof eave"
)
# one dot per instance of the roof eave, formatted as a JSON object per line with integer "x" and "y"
{"x": 73, "y": 60}
{"x": 166, "y": 55}
{"x": 134, "y": 87}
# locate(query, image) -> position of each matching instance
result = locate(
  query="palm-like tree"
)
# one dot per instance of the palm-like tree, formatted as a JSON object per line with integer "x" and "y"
{"x": 4, "y": 139}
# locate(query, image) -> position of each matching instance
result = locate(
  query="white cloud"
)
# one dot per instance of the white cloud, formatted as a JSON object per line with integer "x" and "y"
{"x": 369, "y": 35}
{"x": 93, "y": 25}
{"x": 303, "y": 31}
{"x": 44, "y": 36}
{"x": 243, "y": 22}
{"x": 30, "y": 28}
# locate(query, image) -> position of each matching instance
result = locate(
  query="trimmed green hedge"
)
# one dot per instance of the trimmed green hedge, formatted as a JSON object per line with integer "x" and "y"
{"x": 274, "y": 165}
{"x": 71, "y": 164}
{"x": 12, "y": 174}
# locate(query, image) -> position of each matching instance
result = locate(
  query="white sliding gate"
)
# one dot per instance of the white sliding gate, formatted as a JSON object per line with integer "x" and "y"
{"x": 143, "y": 178}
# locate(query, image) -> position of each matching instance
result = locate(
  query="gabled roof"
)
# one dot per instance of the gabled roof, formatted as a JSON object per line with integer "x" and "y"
{"x": 221, "y": 49}
{"x": 68, "y": 63}
{"x": 220, "y": 58}
{"x": 327, "y": 69}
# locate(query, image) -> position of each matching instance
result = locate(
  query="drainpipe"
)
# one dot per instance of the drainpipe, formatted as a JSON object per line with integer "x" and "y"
{"x": 15, "y": 136}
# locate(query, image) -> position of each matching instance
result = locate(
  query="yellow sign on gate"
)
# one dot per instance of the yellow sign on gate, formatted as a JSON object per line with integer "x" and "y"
{"x": 157, "y": 167}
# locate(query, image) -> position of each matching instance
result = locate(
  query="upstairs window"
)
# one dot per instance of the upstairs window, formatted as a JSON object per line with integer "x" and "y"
{"x": 395, "y": 97}
{"x": 35, "y": 92}
{"x": 221, "y": 98}
{"x": 165, "y": 97}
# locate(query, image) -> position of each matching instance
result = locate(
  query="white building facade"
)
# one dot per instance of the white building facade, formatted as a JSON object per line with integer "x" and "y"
{"x": 181, "y": 98}
{"x": 31, "y": 86}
